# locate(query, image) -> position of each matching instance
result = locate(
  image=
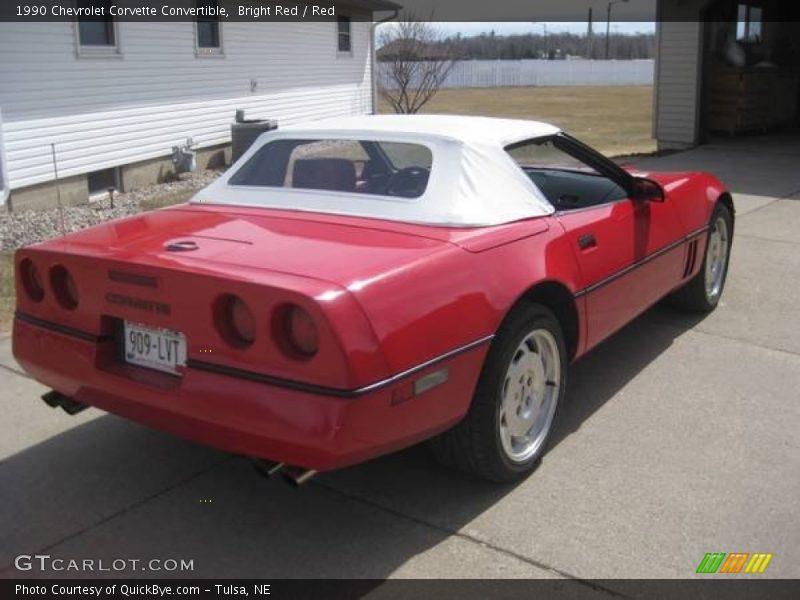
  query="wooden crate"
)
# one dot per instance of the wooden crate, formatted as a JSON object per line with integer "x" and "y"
{"x": 751, "y": 99}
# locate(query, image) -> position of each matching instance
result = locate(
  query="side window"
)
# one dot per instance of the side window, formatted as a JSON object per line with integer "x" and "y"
{"x": 344, "y": 42}
{"x": 97, "y": 36}
{"x": 749, "y": 23}
{"x": 566, "y": 181}
{"x": 208, "y": 37}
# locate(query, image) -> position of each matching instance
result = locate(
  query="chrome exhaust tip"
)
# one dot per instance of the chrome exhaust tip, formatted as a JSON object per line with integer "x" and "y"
{"x": 297, "y": 476}
{"x": 55, "y": 399}
{"x": 267, "y": 468}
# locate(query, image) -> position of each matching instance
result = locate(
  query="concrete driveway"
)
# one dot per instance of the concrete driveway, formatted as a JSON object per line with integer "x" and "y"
{"x": 679, "y": 437}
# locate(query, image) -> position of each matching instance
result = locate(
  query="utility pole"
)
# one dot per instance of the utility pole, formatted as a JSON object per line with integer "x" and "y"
{"x": 608, "y": 26}
{"x": 589, "y": 37}
{"x": 546, "y": 43}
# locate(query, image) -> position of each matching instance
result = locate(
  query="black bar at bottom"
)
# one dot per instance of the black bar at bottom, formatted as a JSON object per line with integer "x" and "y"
{"x": 730, "y": 588}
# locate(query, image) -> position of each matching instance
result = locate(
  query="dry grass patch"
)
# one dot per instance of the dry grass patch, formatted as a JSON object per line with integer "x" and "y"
{"x": 617, "y": 120}
{"x": 177, "y": 197}
{"x": 6, "y": 291}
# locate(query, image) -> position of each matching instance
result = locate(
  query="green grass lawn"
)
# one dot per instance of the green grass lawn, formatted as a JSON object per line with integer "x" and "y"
{"x": 617, "y": 120}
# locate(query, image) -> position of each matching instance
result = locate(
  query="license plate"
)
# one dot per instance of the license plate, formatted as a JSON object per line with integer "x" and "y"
{"x": 154, "y": 348}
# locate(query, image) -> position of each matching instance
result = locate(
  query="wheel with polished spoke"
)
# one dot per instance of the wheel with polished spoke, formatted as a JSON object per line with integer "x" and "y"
{"x": 702, "y": 293}
{"x": 716, "y": 257}
{"x": 529, "y": 395}
{"x": 507, "y": 427}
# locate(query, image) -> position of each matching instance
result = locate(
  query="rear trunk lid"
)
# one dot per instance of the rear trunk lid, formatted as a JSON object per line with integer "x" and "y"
{"x": 246, "y": 241}
{"x": 168, "y": 269}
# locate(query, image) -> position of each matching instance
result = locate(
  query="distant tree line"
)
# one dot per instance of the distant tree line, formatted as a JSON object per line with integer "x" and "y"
{"x": 417, "y": 56}
{"x": 489, "y": 46}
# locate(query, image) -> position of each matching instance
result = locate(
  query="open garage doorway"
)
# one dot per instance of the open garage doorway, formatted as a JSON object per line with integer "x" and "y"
{"x": 751, "y": 74}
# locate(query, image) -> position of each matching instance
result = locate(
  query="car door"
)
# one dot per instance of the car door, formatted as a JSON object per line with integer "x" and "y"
{"x": 623, "y": 252}
{"x": 625, "y": 248}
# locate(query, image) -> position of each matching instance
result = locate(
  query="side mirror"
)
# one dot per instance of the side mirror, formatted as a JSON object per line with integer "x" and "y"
{"x": 647, "y": 190}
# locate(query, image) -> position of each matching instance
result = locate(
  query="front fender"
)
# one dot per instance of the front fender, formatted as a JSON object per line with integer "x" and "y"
{"x": 694, "y": 195}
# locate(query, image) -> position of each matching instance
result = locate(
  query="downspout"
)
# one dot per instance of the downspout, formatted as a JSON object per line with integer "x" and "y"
{"x": 373, "y": 58}
{"x": 4, "y": 191}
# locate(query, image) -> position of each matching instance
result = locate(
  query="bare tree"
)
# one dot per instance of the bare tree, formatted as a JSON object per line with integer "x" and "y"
{"x": 415, "y": 60}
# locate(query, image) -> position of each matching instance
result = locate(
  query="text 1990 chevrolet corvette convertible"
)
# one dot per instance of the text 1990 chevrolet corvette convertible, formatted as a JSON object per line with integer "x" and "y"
{"x": 355, "y": 286}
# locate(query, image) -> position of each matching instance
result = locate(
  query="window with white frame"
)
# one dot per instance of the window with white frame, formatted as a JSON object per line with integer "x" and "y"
{"x": 344, "y": 35}
{"x": 749, "y": 23}
{"x": 96, "y": 35}
{"x": 208, "y": 35}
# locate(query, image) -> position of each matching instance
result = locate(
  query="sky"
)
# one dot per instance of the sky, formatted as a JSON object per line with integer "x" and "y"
{"x": 511, "y": 28}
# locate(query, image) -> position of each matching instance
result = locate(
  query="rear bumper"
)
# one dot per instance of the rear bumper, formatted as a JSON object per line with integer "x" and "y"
{"x": 249, "y": 415}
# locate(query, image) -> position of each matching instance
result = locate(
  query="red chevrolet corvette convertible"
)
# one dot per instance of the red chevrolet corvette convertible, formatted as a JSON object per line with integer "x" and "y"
{"x": 355, "y": 286}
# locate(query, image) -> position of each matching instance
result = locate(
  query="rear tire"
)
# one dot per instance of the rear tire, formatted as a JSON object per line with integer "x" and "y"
{"x": 703, "y": 291}
{"x": 506, "y": 430}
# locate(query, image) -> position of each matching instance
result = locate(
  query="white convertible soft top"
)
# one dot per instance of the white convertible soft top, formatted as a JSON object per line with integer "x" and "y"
{"x": 473, "y": 180}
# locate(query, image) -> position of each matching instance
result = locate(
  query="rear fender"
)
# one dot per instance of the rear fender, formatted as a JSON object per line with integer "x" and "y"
{"x": 460, "y": 296}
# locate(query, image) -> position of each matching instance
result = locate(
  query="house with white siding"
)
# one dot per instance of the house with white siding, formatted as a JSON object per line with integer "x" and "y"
{"x": 113, "y": 98}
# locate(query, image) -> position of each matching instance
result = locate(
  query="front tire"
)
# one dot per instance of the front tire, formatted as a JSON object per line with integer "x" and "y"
{"x": 508, "y": 425}
{"x": 702, "y": 293}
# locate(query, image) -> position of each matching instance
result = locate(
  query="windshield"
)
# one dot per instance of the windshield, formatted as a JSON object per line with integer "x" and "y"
{"x": 338, "y": 165}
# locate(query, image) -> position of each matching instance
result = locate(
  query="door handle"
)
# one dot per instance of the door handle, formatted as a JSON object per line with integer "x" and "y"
{"x": 587, "y": 241}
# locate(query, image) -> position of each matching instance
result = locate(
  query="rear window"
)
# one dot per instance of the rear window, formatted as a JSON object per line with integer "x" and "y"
{"x": 335, "y": 165}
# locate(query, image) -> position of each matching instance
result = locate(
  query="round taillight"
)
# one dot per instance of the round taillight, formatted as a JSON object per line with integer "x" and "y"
{"x": 64, "y": 288}
{"x": 235, "y": 321}
{"x": 299, "y": 331}
{"x": 31, "y": 280}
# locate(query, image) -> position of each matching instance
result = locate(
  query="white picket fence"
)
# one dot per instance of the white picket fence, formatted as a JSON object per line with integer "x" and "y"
{"x": 511, "y": 73}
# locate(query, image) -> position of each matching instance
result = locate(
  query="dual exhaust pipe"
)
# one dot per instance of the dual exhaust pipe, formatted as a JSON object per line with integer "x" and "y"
{"x": 70, "y": 406}
{"x": 293, "y": 475}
